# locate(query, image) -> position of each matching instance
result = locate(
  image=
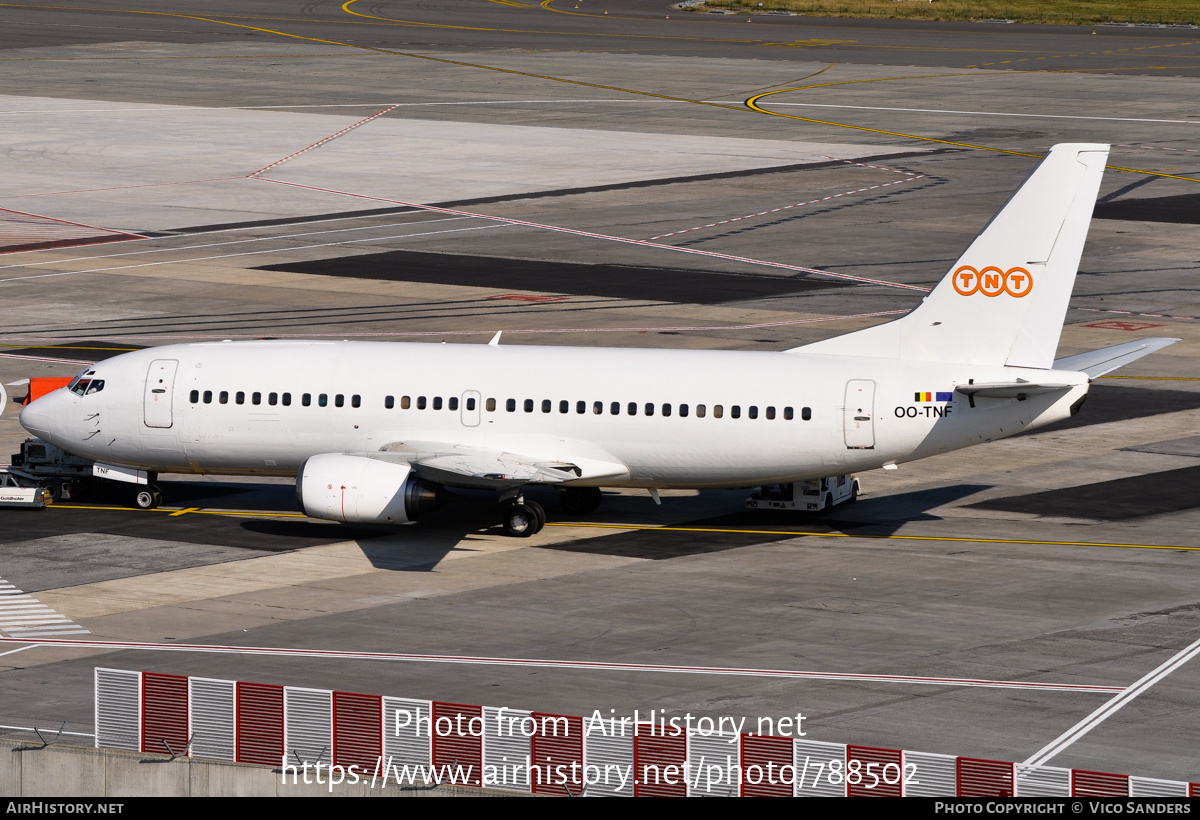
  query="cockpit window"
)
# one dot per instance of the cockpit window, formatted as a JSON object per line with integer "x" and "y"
{"x": 82, "y": 377}
{"x": 85, "y": 385}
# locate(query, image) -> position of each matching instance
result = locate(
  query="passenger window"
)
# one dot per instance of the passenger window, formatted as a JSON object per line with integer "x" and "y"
{"x": 240, "y": 398}
{"x": 546, "y": 405}
{"x": 770, "y": 412}
{"x": 273, "y": 399}
{"x": 787, "y": 413}
{"x": 389, "y": 402}
{"x": 528, "y": 405}
{"x": 452, "y": 402}
{"x": 471, "y": 403}
{"x": 420, "y": 402}
{"x": 306, "y": 399}
{"x": 437, "y": 402}
{"x": 224, "y": 397}
{"x": 564, "y": 406}
{"x": 208, "y": 397}
{"x": 735, "y": 411}
{"x": 581, "y": 407}
{"x": 339, "y": 400}
{"x": 287, "y": 399}
{"x": 666, "y": 410}
{"x": 405, "y": 402}
{"x": 649, "y": 408}
{"x": 753, "y": 411}
{"x": 718, "y": 411}
{"x": 598, "y": 407}
{"x": 490, "y": 406}
{"x": 700, "y": 410}
{"x": 356, "y": 400}
{"x": 511, "y": 405}
{"x": 323, "y": 400}
{"x": 615, "y": 408}
{"x": 194, "y": 396}
{"x": 683, "y": 410}
{"x": 632, "y": 408}
{"x": 806, "y": 413}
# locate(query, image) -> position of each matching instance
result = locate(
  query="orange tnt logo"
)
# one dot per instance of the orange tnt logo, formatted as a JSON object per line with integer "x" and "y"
{"x": 991, "y": 281}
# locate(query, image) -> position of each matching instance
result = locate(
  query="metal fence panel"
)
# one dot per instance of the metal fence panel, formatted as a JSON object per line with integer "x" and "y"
{"x": 1044, "y": 781}
{"x": 714, "y": 764}
{"x": 458, "y": 740}
{"x": 118, "y": 709}
{"x": 820, "y": 768}
{"x": 985, "y": 778}
{"x": 1098, "y": 784}
{"x": 879, "y": 772}
{"x": 212, "y": 716}
{"x": 766, "y": 762}
{"x": 507, "y": 748}
{"x": 407, "y": 736}
{"x": 558, "y": 754}
{"x": 1152, "y": 787}
{"x": 164, "y": 713}
{"x": 930, "y": 775}
{"x": 260, "y": 723}
{"x": 307, "y": 725}
{"x": 358, "y": 731}
{"x": 608, "y": 756}
{"x": 658, "y": 762}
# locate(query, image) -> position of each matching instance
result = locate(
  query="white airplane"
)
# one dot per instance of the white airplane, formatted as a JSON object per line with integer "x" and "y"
{"x": 372, "y": 431}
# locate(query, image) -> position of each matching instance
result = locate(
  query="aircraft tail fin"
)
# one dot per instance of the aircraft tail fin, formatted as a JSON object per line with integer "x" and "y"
{"x": 1004, "y": 301}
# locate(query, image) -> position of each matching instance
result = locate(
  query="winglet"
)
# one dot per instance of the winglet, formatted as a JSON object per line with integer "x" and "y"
{"x": 495, "y": 342}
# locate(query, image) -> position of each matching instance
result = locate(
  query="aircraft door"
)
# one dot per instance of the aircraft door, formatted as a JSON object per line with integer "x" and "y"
{"x": 160, "y": 387}
{"x": 470, "y": 408}
{"x": 860, "y": 414}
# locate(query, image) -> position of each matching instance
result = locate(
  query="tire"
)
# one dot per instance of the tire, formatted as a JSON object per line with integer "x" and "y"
{"x": 828, "y": 508}
{"x": 540, "y": 512}
{"x": 54, "y": 492}
{"x": 519, "y": 521}
{"x": 853, "y": 494}
{"x": 579, "y": 500}
{"x": 146, "y": 499}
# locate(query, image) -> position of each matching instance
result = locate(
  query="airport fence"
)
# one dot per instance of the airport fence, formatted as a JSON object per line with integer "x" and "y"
{"x": 305, "y": 733}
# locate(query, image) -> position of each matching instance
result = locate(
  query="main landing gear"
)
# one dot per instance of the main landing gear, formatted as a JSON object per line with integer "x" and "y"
{"x": 523, "y": 517}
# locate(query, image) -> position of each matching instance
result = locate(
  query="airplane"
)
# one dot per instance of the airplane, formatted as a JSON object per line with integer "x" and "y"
{"x": 373, "y": 431}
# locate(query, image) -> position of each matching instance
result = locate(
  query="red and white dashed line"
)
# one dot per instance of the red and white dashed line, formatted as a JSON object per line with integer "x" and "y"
{"x": 540, "y": 663}
{"x": 911, "y": 177}
{"x": 321, "y": 142}
{"x": 1158, "y": 148}
{"x": 606, "y": 237}
{"x": 1135, "y": 313}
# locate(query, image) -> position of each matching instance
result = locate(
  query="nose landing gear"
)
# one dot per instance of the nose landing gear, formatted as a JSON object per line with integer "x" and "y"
{"x": 522, "y": 517}
{"x": 147, "y": 498}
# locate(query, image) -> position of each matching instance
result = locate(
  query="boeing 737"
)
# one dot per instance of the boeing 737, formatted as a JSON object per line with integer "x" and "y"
{"x": 373, "y": 430}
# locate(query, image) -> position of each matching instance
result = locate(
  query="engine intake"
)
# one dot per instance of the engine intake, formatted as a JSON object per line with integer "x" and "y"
{"x": 363, "y": 490}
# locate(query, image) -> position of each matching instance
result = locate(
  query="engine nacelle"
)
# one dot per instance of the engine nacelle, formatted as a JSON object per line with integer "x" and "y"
{"x": 362, "y": 490}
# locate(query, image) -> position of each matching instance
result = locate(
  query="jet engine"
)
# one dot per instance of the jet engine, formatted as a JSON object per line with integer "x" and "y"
{"x": 363, "y": 490}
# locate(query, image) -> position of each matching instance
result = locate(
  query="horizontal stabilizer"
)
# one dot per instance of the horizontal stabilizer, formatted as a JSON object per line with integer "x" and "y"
{"x": 1098, "y": 362}
{"x": 1020, "y": 389}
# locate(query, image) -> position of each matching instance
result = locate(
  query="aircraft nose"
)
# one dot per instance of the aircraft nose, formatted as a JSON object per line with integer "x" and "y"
{"x": 38, "y": 419}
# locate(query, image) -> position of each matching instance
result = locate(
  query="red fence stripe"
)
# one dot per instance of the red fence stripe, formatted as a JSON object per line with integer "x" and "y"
{"x": 870, "y": 773}
{"x": 357, "y": 730}
{"x": 763, "y": 759}
{"x": 984, "y": 778}
{"x": 557, "y": 744}
{"x": 458, "y": 740}
{"x": 1098, "y": 784}
{"x": 658, "y": 762}
{"x": 164, "y": 712}
{"x": 259, "y": 723}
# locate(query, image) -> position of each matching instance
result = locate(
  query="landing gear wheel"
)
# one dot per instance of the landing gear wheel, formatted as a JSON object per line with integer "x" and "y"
{"x": 147, "y": 499}
{"x": 540, "y": 512}
{"x": 579, "y": 500}
{"x": 520, "y": 521}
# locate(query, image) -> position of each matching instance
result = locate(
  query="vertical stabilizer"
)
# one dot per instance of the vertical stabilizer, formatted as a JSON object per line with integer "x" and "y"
{"x": 1004, "y": 301}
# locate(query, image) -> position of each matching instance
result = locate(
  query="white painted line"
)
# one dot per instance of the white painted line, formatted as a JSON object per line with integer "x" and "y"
{"x": 13, "y": 652}
{"x": 21, "y": 613}
{"x": 541, "y": 663}
{"x": 1060, "y": 743}
{"x": 978, "y": 113}
{"x": 31, "y": 729}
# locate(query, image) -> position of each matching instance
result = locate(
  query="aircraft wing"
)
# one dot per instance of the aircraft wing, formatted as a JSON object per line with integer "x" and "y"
{"x": 1098, "y": 362}
{"x": 460, "y": 466}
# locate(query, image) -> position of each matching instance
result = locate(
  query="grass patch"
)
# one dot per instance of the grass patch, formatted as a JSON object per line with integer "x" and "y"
{"x": 1078, "y": 12}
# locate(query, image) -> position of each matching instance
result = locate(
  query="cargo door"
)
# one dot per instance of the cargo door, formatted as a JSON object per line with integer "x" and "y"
{"x": 860, "y": 414}
{"x": 160, "y": 387}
